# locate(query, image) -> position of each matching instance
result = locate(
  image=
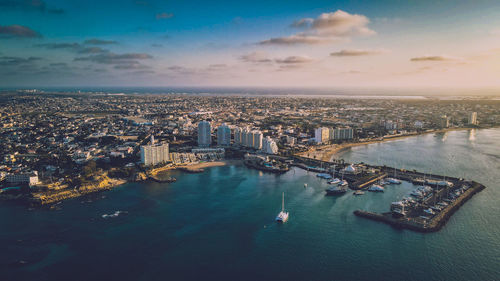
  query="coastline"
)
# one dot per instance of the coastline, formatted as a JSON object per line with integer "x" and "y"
{"x": 328, "y": 152}
{"x": 106, "y": 183}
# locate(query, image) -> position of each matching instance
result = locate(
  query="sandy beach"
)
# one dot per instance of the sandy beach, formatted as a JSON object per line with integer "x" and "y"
{"x": 203, "y": 165}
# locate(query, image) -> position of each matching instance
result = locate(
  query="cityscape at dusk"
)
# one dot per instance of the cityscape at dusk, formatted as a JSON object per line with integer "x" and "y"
{"x": 251, "y": 140}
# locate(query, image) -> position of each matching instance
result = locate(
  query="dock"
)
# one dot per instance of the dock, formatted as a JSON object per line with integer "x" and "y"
{"x": 421, "y": 225}
{"x": 440, "y": 197}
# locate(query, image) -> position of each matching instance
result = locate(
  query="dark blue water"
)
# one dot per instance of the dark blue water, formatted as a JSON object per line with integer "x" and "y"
{"x": 219, "y": 225}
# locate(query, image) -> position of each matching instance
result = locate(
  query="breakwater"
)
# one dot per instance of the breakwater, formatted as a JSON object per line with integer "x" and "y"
{"x": 432, "y": 225}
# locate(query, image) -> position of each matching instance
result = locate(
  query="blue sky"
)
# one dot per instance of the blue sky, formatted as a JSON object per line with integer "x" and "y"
{"x": 250, "y": 43}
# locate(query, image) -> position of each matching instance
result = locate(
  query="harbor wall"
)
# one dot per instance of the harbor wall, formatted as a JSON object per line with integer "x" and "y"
{"x": 436, "y": 222}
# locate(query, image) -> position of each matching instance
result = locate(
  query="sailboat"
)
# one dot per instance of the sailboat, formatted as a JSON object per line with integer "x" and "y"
{"x": 282, "y": 216}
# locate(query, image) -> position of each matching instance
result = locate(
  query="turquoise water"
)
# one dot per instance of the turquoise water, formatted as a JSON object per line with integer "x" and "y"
{"x": 219, "y": 225}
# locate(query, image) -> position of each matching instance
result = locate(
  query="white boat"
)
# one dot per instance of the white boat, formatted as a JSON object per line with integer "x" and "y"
{"x": 282, "y": 216}
{"x": 305, "y": 185}
{"x": 334, "y": 181}
{"x": 376, "y": 188}
{"x": 343, "y": 183}
{"x": 393, "y": 181}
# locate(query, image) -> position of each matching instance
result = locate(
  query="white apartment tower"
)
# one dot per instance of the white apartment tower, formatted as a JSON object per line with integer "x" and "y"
{"x": 204, "y": 137}
{"x": 257, "y": 139}
{"x": 321, "y": 135}
{"x": 223, "y": 135}
{"x": 472, "y": 120}
{"x": 269, "y": 146}
{"x": 154, "y": 154}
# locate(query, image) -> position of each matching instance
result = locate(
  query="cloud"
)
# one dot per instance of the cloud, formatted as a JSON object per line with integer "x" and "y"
{"x": 92, "y": 50}
{"x": 17, "y": 61}
{"x": 305, "y": 22}
{"x": 112, "y": 58}
{"x": 99, "y": 42}
{"x": 17, "y": 31}
{"x": 131, "y": 65}
{"x": 355, "y": 53}
{"x": 72, "y": 46}
{"x": 256, "y": 57}
{"x": 328, "y": 27}
{"x": 294, "y": 60}
{"x": 217, "y": 66}
{"x": 433, "y": 58}
{"x": 295, "y": 39}
{"x": 164, "y": 15}
{"x": 75, "y": 47}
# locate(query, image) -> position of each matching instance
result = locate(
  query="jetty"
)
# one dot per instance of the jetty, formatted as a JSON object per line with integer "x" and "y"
{"x": 419, "y": 223}
{"x": 435, "y": 199}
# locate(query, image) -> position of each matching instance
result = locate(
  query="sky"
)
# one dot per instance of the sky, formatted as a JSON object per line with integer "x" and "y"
{"x": 320, "y": 44}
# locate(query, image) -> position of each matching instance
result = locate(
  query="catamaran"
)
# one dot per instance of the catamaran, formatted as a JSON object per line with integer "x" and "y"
{"x": 282, "y": 216}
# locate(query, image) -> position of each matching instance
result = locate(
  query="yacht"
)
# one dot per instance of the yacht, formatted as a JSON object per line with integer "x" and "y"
{"x": 336, "y": 190}
{"x": 343, "y": 183}
{"x": 334, "y": 181}
{"x": 282, "y": 216}
{"x": 376, "y": 188}
{"x": 358, "y": 192}
{"x": 393, "y": 181}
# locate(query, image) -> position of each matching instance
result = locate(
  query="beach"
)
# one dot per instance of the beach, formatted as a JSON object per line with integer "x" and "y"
{"x": 328, "y": 152}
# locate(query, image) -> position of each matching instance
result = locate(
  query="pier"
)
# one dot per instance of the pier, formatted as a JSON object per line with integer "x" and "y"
{"x": 428, "y": 212}
{"x": 419, "y": 224}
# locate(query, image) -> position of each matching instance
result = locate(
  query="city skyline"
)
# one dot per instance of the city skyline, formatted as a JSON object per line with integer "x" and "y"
{"x": 293, "y": 44}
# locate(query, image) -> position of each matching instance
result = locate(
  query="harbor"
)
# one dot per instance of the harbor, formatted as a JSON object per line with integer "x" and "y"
{"x": 427, "y": 208}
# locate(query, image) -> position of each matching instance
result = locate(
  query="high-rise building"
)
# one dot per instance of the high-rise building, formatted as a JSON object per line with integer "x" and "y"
{"x": 346, "y": 133}
{"x": 444, "y": 121}
{"x": 257, "y": 139}
{"x": 154, "y": 154}
{"x": 249, "y": 138}
{"x": 204, "y": 137}
{"x": 223, "y": 135}
{"x": 237, "y": 136}
{"x": 472, "y": 120}
{"x": 321, "y": 135}
{"x": 269, "y": 146}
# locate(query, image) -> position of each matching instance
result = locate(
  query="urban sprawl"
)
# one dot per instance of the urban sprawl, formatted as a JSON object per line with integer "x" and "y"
{"x": 62, "y": 145}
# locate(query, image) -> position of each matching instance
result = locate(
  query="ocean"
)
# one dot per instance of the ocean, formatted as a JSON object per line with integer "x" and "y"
{"x": 219, "y": 225}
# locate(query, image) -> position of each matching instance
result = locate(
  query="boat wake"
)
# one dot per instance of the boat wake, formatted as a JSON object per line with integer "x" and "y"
{"x": 114, "y": 215}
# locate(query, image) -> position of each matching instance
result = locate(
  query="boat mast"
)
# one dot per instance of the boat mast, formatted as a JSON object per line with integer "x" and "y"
{"x": 283, "y": 203}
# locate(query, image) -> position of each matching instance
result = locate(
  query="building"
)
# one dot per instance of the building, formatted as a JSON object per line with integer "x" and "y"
{"x": 257, "y": 139}
{"x": 472, "y": 120}
{"x": 30, "y": 178}
{"x": 154, "y": 154}
{"x": 444, "y": 121}
{"x": 269, "y": 146}
{"x": 204, "y": 137}
{"x": 346, "y": 133}
{"x": 322, "y": 135}
{"x": 290, "y": 140}
{"x": 237, "y": 136}
{"x": 223, "y": 135}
